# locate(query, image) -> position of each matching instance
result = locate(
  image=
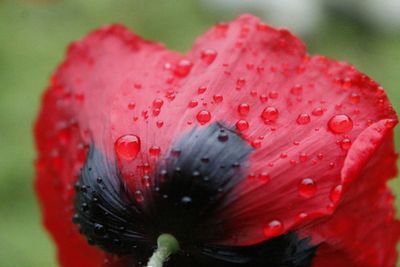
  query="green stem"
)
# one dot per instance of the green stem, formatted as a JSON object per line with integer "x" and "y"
{"x": 166, "y": 245}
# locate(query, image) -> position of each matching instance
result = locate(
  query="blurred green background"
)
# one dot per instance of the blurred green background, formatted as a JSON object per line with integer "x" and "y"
{"x": 33, "y": 37}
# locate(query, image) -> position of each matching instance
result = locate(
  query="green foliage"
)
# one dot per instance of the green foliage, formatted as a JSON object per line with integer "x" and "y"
{"x": 33, "y": 38}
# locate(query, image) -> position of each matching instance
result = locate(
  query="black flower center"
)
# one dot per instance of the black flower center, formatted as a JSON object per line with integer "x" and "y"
{"x": 183, "y": 196}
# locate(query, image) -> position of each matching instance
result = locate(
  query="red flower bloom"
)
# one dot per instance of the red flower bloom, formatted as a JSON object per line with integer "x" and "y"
{"x": 248, "y": 150}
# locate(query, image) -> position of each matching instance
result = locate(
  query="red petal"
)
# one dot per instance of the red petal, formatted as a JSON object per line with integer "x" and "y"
{"x": 110, "y": 81}
{"x": 363, "y": 230}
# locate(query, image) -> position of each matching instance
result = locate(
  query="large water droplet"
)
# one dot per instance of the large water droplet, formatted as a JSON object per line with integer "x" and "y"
{"x": 339, "y": 124}
{"x": 203, "y": 116}
{"x": 274, "y": 228}
{"x": 307, "y": 188}
{"x": 127, "y": 147}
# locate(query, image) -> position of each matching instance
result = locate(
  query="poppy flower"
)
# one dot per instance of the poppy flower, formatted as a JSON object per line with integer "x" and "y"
{"x": 246, "y": 151}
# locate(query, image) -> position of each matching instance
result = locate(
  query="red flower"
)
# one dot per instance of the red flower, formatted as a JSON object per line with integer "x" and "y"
{"x": 248, "y": 150}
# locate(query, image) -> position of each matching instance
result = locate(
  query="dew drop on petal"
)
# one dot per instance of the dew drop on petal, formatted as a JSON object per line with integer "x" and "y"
{"x": 273, "y": 94}
{"x": 242, "y": 125}
{"x": 264, "y": 177}
{"x": 303, "y": 118}
{"x": 158, "y": 103}
{"x": 273, "y": 228}
{"x": 154, "y": 151}
{"x": 240, "y": 83}
{"x": 263, "y": 98}
{"x": 270, "y": 114}
{"x": 336, "y": 193}
{"x": 201, "y": 89}
{"x": 307, "y": 188}
{"x": 159, "y": 124}
{"x": 339, "y": 124}
{"x": 345, "y": 144}
{"x": 218, "y": 98}
{"x": 296, "y": 90}
{"x": 256, "y": 143}
{"x": 390, "y": 123}
{"x": 317, "y": 112}
{"x": 354, "y": 98}
{"x": 203, "y": 116}
{"x": 193, "y": 103}
{"x": 208, "y": 56}
{"x": 131, "y": 105}
{"x": 127, "y": 147}
{"x": 139, "y": 196}
{"x": 183, "y": 68}
{"x": 243, "y": 108}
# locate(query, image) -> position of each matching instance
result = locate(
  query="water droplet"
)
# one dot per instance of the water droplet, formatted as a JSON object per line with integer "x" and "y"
{"x": 296, "y": 90}
{"x": 170, "y": 94}
{"x": 183, "y": 68}
{"x": 208, "y": 56}
{"x": 158, "y": 103}
{"x": 270, "y": 114}
{"x": 242, "y": 125}
{"x": 390, "y": 123}
{"x": 201, "y": 89}
{"x": 203, "y": 116}
{"x": 345, "y": 144}
{"x": 354, "y": 98}
{"x": 193, "y": 103}
{"x": 273, "y": 228}
{"x": 336, "y": 193}
{"x": 99, "y": 229}
{"x": 307, "y": 188}
{"x": 131, "y": 105}
{"x": 186, "y": 200}
{"x": 264, "y": 177}
{"x": 339, "y": 124}
{"x": 243, "y": 108}
{"x": 318, "y": 112}
{"x": 218, "y": 98}
{"x": 240, "y": 83}
{"x": 263, "y": 98}
{"x": 303, "y": 118}
{"x": 273, "y": 94}
{"x": 155, "y": 151}
{"x": 127, "y": 147}
{"x": 159, "y": 124}
{"x": 139, "y": 196}
{"x": 256, "y": 143}
{"x": 155, "y": 112}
